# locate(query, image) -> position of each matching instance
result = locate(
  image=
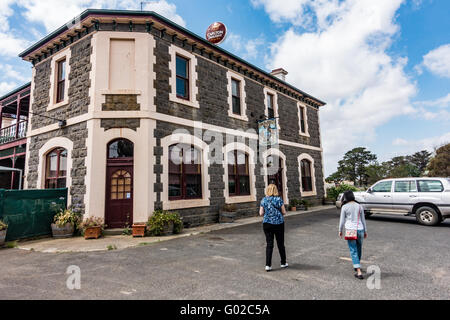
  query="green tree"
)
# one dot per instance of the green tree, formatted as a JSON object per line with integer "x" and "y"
{"x": 353, "y": 166}
{"x": 439, "y": 165}
{"x": 420, "y": 160}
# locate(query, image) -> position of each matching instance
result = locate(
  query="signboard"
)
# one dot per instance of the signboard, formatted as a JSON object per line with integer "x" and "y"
{"x": 268, "y": 133}
{"x": 216, "y": 32}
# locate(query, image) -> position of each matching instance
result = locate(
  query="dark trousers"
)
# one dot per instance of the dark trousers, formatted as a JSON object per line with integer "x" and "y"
{"x": 276, "y": 230}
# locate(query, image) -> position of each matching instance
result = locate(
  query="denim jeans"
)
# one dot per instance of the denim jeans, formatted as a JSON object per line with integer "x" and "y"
{"x": 355, "y": 247}
{"x": 277, "y": 230}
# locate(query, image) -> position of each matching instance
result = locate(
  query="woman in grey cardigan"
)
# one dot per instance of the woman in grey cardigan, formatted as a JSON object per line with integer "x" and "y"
{"x": 352, "y": 215}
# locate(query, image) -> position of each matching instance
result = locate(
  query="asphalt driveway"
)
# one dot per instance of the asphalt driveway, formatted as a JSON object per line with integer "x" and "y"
{"x": 414, "y": 261}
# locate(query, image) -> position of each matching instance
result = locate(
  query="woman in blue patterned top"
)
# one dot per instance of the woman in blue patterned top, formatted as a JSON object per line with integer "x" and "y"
{"x": 272, "y": 208}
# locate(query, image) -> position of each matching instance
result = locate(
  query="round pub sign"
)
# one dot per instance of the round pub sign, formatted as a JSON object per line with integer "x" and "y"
{"x": 216, "y": 32}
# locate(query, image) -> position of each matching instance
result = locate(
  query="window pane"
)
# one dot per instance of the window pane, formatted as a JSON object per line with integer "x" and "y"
{"x": 236, "y": 105}
{"x": 193, "y": 186}
{"x": 405, "y": 186}
{"x": 61, "y": 70}
{"x": 61, "y": 183}
{"x": 307, "y": 183}
{"x": 182, "y": 88}
{"x": 270, "y": 114}
{"x": 174, "y": 185}
{"x": 60, "y": 91}
{"x": 244, "y": 185}
{"x": 182, "y": 65}
{"x": 430, "y": 186}
{"x": 231, "y": 184}
{"x": 302, "y": 119}
{"x": 235, "y": 88}
{"x": 63, "y": 163}
{"x": 52, "y": 165}
{"x": 306, "y": 168}
{"x": 120, "y": 149}
{"x": 384, "y": 186}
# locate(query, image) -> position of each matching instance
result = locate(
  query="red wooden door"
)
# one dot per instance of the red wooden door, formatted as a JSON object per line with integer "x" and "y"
{"x": 119, "y": 195}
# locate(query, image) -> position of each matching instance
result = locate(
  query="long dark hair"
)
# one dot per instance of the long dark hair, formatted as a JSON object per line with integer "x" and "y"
{"x": 348, "y": 196}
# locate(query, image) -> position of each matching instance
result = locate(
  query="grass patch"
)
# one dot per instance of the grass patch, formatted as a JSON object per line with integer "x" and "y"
{"x": 11, "y": 244}
{"x": 111, "y": 247}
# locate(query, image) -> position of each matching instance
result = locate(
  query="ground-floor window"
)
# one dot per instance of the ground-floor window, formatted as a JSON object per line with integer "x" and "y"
{"x": 306, "y": 175}
{"x": 238, "y": 173}
{"x": 185, "y": 178}
{"x": 56, "y": 169}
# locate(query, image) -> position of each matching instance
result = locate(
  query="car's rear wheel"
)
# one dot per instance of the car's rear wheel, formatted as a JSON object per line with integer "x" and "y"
{"x": 367, "y": 214}
{"x": 427, "y": 216}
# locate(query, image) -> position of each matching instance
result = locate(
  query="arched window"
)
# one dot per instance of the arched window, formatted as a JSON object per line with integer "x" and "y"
{"x": 56, "y": 169}
{"x": 185, "y": 172}
{"x": 121, "y": 148}
{"x": 306, "y": 175}
{"x": 238, "y": 173}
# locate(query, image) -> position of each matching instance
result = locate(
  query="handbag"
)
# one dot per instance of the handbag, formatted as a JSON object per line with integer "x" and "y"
{"x": 353, "y": 234}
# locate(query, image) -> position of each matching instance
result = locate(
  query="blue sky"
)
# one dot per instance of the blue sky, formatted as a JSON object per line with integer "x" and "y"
{"x": 382, "y": 66}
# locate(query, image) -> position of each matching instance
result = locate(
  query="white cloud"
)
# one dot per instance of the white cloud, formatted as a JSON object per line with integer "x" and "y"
{"x": 411, "y": 146}
{"x": 247, "y": 48}
{"x": 434, "y": 109}
{"x": 9, "y": 72}
{"x": 344, "y": 62}
{"x": 10, "y": 44}
{"x": 6, "y": 87}
{"x": 437, "y": 61}
{"x": 55, "y": 13}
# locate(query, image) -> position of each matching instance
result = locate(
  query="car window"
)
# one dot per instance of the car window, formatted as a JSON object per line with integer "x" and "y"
{"x": 383, "y": 186}
{"x": 430, "y": 186}
{"x": 405, "y": 186}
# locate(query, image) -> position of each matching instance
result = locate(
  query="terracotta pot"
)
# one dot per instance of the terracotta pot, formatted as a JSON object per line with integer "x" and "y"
{"x": 93, "y": 232}
{"x": 293, "y": 208}
{"x": 2, "y": 237}
{"x": 138, "y": 230}
{"x": 62, "y": 232}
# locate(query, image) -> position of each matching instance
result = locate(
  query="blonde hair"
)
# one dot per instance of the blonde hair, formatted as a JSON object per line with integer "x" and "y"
{"x": 272, "y": 190}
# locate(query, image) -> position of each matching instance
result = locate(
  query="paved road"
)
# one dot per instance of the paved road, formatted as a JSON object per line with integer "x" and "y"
{"x": 229, "y": 264}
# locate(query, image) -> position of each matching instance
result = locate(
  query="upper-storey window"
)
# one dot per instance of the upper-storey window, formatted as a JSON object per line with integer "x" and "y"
{"x": 182, "y": 70}
{"x": 302, "y": 120}
{"x": 61, "y": 80}
{"x": 236, "y": 96}
{"x": 270, "y": 106}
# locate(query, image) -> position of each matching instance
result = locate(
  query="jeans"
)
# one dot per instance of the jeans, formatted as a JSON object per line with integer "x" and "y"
{"x": 355, "y": 247}
{"x": 277, "y": 230}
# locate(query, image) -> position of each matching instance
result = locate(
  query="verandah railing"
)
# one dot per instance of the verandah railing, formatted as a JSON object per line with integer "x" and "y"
{"x": 13, "y": 132}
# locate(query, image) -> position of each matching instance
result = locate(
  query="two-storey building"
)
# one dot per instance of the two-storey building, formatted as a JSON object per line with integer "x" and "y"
{"x": 142, "y": 114}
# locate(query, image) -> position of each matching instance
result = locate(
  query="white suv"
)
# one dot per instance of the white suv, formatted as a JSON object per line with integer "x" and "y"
{"x": 428, "y": 199}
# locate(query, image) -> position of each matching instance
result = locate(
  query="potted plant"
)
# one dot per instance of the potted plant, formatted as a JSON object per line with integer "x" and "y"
{"x": 228, "y": 213}
{"x": 138, "y": 229}
{"x": 3, "y": 230}
{"x": 304, "y": 205}
{"x": 163, "y": 223}
{"x": 293, "y": 204}
{"x": 64, "y": 223}
{"x": 92, "y": 227}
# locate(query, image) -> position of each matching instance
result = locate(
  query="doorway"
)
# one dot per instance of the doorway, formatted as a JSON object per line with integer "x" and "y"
{"x": 119, "y": 184}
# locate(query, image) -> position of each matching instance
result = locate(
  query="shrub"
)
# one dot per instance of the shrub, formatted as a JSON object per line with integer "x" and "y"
{"x": 3, "y": 225}
{"x": 161, "y": 218}
{"x": 333, "y": 192}
{"x": 66, "y": 216}
{"x": 294, "y": 202}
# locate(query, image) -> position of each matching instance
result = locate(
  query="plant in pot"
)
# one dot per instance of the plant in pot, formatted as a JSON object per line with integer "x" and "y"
{"x": 304, "y": 205}
{"x": 163, "y": 223}
{"x": 64, "y": 223}
{"x": 92, "y": 227}
{"x": 3, "y": 230}
{"x": 228, "y": 213}
{"x": 293, "y": 203}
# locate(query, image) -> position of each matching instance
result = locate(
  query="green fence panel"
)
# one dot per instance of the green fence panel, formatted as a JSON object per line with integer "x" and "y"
{"x": 29, "y": 213}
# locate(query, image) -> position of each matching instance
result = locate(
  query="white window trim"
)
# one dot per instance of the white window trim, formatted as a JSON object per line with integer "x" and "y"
{"x": 313, "y": 175}
{"x": 305, "y": 116}
{"x": 204, "y": 148}
{"x": 58, "y": 142}
{"x": 193, "y": 76}
{"x": 64, "y": 54}
{"x": 251, "y": 167}
{"x": 243, "y": 116}
{"x": 276, "y": 152}
{"x": 275, "y": 105}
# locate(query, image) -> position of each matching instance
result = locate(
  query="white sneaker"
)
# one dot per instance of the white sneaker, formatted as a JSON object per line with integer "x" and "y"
{"x": 268, "y": 268}
{"x": 284, "y": 265}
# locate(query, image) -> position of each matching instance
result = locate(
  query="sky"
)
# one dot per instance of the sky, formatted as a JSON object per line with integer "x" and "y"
{"x": 383, "y": 67}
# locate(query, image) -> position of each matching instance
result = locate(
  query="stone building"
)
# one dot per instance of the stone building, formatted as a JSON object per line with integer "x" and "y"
{"x": 142, "y": 114}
